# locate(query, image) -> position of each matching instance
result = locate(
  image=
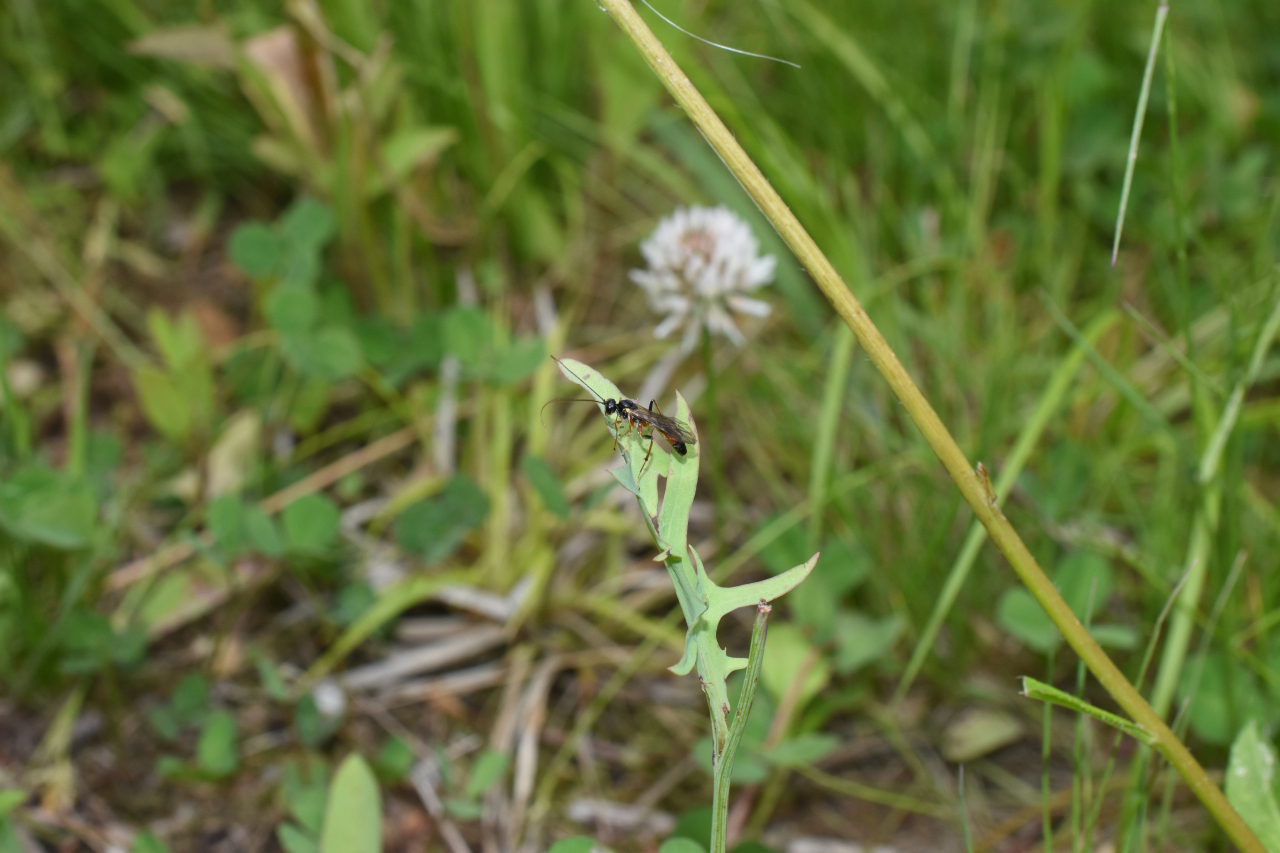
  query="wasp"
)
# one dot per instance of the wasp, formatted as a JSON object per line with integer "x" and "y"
{"x": 639, "y": 419}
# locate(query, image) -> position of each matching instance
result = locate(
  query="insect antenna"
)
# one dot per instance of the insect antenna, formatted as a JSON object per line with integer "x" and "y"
{"x": 562, "y": 400}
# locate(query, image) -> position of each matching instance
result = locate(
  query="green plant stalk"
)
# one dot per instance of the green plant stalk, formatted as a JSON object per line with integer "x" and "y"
{"x": 974, "y": 490}
{"x": 723, "y": 758}
{"x": 828, "y": 421}
{"x": 1205, "y": 523}
{"x": 1031, "y": 432}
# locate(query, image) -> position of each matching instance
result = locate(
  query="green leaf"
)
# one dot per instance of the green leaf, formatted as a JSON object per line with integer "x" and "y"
{"x": 1226, "y": 697}
{"x": 1082, "y": 575}
{"x": 861, "y": 640}
{"x": 309, "y": 404}
{"x": 331, "y": 353}
{"x": 306, "y": 799}
{"x": 190, "y": 699}
{"x": 291, "y": 308}
{"x": 435, "y": 528}
{"x": 485, "y": 773}
{"x": 180, "y": 341}
{"x": 546, "y": 484}
{"x": 310, "y": 523}
{"x": 516, "y": 362}
{"x": 353, "y": 820}
{"x": 307, "y": 224}
{"x": 261, "y": 532}
{"x": 145, "y": 842}
{"x": 574, "y": 844}
{"x": 1033, "y": 689}
{"x": 255, "y": 249}
{"x": 468, "y": 334}
{"x": 226, "y": 520}
{"x": 1249, "y": 784}
{"x": 49, "y": 507}
{"x": 87, "y": 638}
{"x": 269, "y": 674}
{"x": 802, "y": 750}
{"x": 394, "y": 760}
{"x": 163, "y": 403}
{"x": 313, "y": 727}
{"x": 463, "y": 809}
{"x": 294, "y": 840}
{"x": 1023, "y": 617}
{"x": 217, "y": 752}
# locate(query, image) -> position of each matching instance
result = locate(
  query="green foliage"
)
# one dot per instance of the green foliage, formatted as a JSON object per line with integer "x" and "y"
{"x": 47, "y": 507}
{"x": 178, "y": 397}
{"x": 1084, "y": 579}
{"x": 486, "y": 771}
{"x": 435, "y": 528}
{"x": 353, "y": 819}
{"x": 310, "y": 524}
{"x": 217, "y": 753}
{"x": 145, "y": 842}
{"x": 1250, "y": 784}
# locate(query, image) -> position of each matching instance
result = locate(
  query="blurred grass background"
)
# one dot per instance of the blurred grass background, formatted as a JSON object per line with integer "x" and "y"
{"x": 279, "y": 286}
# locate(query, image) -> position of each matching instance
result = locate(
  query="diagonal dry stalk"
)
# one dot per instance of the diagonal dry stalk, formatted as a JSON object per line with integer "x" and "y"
{"x": 926, "y": 419}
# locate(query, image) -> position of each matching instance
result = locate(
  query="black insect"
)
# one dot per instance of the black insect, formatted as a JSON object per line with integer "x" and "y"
{"x": 638, "y": 418}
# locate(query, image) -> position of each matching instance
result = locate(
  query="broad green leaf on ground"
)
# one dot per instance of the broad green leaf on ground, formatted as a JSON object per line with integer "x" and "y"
{"x": 1082, "y": 576}
{"x": 861, "y": 639}
{"x": 256, "y": 249}
{"x": 38, "y": 504}
{"x": 261, "y": 532}
{"x": 307, "y": 224}
{"x": 306, "y": 798}
{"x": 1250, "y": 784}
{"x": 310, "y": 523}
{"x": 217, "y": 752}
{"x": 291, "y": 308}
{"x": 294, "y": 839}
{"x": 435, "y": 528}
{"x": 1022, "y": 616}
{"x": 225, "y": 518}
{"x": 1226, "y": 696}
{"x": 353, "y": 819}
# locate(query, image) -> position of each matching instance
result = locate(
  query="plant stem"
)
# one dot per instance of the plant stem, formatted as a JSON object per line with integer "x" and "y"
{"x": 724, "y": 761}
{"x": 927, "y": 420}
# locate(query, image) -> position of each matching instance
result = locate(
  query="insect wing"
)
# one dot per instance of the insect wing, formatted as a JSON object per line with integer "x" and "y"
{"x": 670, "y": 427}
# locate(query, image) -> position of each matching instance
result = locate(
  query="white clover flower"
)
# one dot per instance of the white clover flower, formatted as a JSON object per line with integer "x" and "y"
{"x": 702, "y": 260}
